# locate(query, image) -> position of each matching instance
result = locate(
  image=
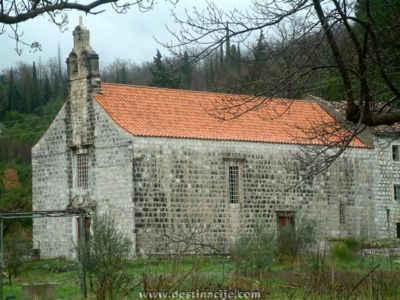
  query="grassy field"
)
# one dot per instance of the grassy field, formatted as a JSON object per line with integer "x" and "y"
{"x": 331, "y": 281}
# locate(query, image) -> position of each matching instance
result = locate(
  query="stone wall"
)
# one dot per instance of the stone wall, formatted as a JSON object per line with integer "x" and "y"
{"x": 111, "y": 173}
{"x": 392, "y": 252}
{"x": 386, "y": 174}
{"x": 161, "y": 190}
{"x": 54, "y": 186}
{"x": 81, "y": 134}
{"x": 181, "y": 189}
{"x": 50, "y": 190}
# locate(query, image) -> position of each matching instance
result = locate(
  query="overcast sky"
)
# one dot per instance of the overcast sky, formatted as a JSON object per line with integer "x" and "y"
{"x": 129, "y": 36}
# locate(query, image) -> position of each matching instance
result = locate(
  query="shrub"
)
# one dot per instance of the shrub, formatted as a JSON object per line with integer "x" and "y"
{"x": 256, "y": 251}
{"x": 106, "y": 258}
{"x": 294, "y": 241}
{"x": 353, "y": 245}
{"x": 12, "y": 256}
{"x": 345, "y": 248}
{"x": 340, "y": 251}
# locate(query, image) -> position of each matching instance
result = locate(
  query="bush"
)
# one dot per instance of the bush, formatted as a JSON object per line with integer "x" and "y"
{"x": 106, "y": 257}
{"x": 256, "y": 251}
{"x": 345, "y": 249}
{"x": 340, "y": 251}
{"x": 12, "y": 256}
{"x": 294, "y": 241}
{"x": 353, "y": 245}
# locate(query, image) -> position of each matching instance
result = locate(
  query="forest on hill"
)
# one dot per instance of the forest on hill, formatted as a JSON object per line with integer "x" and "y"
{"x": 31, "y": 94}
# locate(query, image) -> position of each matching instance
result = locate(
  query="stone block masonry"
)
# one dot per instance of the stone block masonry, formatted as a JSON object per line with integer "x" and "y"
{"x": 159, "y": 189}
{"x": 186, "y": 195}
{"x": 182, "y": 184}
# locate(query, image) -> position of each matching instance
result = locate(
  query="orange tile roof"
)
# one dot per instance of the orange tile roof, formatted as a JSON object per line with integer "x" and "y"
{"x": 160, "y": 112}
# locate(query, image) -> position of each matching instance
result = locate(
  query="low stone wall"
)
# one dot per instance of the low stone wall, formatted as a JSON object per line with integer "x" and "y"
{"x": 381, "y": 251}
{"x": 43, "y": 291}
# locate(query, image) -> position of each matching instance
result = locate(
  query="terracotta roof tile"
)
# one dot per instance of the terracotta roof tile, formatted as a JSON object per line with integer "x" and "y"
{"x": 160, "y": 112}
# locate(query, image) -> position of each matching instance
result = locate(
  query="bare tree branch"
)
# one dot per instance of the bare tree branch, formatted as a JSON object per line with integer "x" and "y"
{"x": 331, "y": 22}
{"x": 14, "y": 12}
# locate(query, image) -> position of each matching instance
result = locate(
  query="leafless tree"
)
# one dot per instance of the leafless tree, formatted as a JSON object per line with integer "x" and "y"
{"x": 188, "y": 238}
{"x": 14, "y": 12}
{"x": 311, "y": 38}
{"x": 354, "y": 41}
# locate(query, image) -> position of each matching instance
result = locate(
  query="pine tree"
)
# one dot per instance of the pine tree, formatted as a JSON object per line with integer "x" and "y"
{"x": 157, "y": 71}
{"x": 160, "y": 75}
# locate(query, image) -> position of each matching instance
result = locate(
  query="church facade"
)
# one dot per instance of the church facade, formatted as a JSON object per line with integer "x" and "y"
{"x": 173, "y": 174}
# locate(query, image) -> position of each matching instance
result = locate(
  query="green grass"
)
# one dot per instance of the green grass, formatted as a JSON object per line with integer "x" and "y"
{"x": 359, "y": 264}
{"x": 217, "y": 270}
{"x": 66, "y": 273}
{"x": 46, "y": 271}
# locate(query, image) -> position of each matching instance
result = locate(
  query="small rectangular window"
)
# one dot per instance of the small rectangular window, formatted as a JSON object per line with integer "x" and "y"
{"x": 342, "y": 218}
{"x": 396, "y": 189}
{"x": 398, "y": 230}
{"x": 233, "y": 184}
{"x": 396, "y": 152}
{"x": 82, "y": 168}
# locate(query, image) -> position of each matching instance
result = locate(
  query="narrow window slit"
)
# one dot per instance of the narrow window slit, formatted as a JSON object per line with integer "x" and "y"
{"x": 234, "y": 184}
{"x": 82, "y": 170}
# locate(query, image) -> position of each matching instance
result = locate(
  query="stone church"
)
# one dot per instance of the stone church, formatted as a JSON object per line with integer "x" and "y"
{"x": 168, "y": 167}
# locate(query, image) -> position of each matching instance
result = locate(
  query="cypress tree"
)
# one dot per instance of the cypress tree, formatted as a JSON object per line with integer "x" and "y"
{"x": 227, "y": 46}
{"x": 36, "y": 101}
{"x": 3, "y": 98}
{"x": 47, "y": 92}
{"x": 235, "y": 58}
{"x": 260, "y": 56}
{"x": 123, "y": 77}
{"x": 186, "y": 72}
{"x": 13, "y": 93}
{"x": 221, "y": 56}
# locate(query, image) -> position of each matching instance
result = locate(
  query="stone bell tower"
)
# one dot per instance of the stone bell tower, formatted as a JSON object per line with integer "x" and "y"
{"x": 84, "y": 80}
